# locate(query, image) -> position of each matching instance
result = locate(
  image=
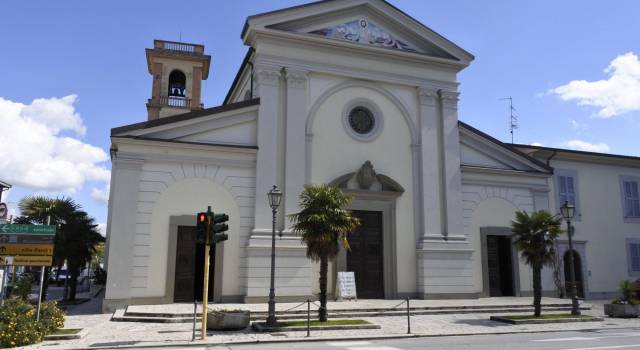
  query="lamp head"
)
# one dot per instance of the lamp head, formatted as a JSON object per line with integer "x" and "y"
{"x": 275, "y": 197}
{"x": 568, "y": 210}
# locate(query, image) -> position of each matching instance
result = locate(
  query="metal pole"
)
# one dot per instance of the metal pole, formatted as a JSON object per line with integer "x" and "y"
{"x": 195, "y": 311}
{"x": 408, "y": 318}
{"x": 271, "y": 319}
{"x": 42, "y": 281}
{"x": 2, "y": 286}
{"x": 308, "y": 318}
{"x": 575, "y": 309}
{"x": 205, "y": 287}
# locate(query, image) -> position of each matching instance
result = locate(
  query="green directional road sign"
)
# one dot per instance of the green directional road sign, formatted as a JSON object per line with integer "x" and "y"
{"x": 46, "y": 230}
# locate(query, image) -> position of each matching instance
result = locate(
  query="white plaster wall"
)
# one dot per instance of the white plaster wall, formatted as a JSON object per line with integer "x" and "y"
{"x": 601, "y": 223}
{"x": 486, "y": 206}
{"x": 335, "y": 153}
{"x": 174, "y": 189}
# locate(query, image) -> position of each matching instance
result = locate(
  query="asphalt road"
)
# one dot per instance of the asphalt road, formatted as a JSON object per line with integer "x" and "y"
{"x": 584, "y": 340}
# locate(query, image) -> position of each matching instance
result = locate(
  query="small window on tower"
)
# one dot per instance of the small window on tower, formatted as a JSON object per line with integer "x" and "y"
{"x": 177, "y": 84}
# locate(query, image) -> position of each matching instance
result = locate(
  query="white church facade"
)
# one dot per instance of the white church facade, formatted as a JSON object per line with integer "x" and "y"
{"x": 358, "y": 94}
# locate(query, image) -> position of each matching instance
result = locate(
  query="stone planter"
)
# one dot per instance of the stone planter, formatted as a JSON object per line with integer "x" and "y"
{"x": 227, "y": 320}
{"x": 621, "y": 310}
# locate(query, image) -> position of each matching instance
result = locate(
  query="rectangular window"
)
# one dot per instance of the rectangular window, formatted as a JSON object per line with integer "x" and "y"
{"x": 631, "y": 199}
{"x": 633, "y": 254}
{"x": 567, "y": 189}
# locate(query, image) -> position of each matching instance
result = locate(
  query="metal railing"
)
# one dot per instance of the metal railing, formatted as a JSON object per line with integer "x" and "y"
{"x": 176, "y": 102}
{"x": 194, "y": 49}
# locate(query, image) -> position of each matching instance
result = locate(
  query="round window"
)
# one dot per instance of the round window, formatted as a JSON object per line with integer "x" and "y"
{"x": 362, "y": 120}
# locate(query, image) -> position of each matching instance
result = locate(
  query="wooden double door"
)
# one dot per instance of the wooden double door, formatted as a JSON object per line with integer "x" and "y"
{"x": 189, "y": 277}
{"x": 366, "y": 256}
{"x": 500, "y": 266}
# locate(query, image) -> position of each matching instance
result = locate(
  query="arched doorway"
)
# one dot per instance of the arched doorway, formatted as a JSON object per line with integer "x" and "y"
{"x": 577, "y": 265}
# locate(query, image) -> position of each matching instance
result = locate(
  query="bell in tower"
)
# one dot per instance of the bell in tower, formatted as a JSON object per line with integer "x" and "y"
{"x": 178, "y": 70}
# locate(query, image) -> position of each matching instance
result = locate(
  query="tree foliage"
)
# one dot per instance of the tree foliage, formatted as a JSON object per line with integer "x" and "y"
{"x": 76, "y": 237}
{"x": 535, "y": 236}
{"x": 324, "y": 222}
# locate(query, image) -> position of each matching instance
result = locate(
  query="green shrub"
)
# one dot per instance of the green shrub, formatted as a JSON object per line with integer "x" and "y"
{"x": 51, "y": 317}
{"x": 22, "y": 288}
{"x": 17, "y": 324}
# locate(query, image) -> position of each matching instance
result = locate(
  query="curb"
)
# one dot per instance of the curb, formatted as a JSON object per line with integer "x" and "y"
{"x": 309, "y": 340}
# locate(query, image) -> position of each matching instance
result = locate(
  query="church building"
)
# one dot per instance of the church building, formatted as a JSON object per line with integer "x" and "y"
{"x": 360, "y": 95}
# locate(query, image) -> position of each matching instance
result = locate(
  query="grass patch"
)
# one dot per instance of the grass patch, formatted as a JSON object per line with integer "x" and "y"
{"x": 318, "y": 323}
{"x": 545, "y": 317}
{"x": 66, "y": 331}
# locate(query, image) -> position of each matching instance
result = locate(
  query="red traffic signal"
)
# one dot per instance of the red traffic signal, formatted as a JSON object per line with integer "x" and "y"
{"x": 202, "y": 218}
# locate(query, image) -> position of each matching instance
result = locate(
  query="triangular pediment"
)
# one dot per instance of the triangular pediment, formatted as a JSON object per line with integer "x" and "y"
{"x": 369, "y": 23}
{"x": 480, "y": 150}
{"x": 233, "y": 127}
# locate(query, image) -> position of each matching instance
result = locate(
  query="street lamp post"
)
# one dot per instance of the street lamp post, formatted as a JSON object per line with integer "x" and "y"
{"x": 275, "y": 196}
{"x": 568, "y": 210}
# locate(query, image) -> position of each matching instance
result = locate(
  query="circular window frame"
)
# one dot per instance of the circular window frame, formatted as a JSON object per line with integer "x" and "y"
{"x": 376, "y": 113}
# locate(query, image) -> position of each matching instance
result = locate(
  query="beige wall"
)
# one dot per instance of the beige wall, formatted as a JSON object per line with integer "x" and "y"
{"x": 601, "y": 222}
{"x": 334, "y": 153}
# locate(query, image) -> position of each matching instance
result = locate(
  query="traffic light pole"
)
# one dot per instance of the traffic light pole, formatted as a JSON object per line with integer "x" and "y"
{"x": 205, "y": 287}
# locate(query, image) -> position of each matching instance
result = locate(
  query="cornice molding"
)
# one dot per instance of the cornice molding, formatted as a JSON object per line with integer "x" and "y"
{"x": 296, "y": 79}
{"x": 428, "y": 96}
{"x": 449, "y": 99}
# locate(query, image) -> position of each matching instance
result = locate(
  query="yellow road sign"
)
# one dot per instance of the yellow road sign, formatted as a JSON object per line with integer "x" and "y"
{"x": 26, "y": 249}
{"x": 6, "y": 260}
{"x": 32, "y": 261}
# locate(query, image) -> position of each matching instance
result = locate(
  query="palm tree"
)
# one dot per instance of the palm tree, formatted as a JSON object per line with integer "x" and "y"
{"x": 534, "y": 236}
{"x": 79, "y": 237}
{"x": 43, "y": 210}
{"x": 324, "y": 222}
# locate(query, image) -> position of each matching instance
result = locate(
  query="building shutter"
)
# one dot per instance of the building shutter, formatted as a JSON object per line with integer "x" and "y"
{"x": 631, "y": 199}
{"x": 566, "y": 190}
{"x": 634, "y": 252}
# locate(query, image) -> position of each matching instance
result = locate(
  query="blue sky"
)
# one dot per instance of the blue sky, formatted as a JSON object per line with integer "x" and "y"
{"x": 84, "y": 61}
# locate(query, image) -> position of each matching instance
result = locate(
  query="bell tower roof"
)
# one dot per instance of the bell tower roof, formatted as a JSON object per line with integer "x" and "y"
{"x": 178, "y": 70}
{"x": 178, "y": 50}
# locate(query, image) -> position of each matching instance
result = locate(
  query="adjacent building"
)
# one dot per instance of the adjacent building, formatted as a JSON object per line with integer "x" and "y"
{"x": 358, "y": 94}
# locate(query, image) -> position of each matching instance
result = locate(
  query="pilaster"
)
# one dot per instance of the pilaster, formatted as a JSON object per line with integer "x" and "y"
{"x": 123, "y": 201}
{"x": 268, "y": 88}
{"x": 452, "y": 171}
{"x": 295, "y": 154}
{"x": 431, "y": 164}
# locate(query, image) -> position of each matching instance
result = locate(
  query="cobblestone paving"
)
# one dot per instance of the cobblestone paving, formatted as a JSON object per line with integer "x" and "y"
{"x": 104, "y": 333}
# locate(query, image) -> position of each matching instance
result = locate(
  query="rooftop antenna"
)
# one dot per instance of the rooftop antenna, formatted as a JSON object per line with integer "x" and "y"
{"x": 513, "y": 119}
{"x": 180, "y": 37}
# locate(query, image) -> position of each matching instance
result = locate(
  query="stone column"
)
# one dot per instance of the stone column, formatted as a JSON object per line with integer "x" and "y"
{"x": 268, "y": 86}
{"x": 452, "y": 173}
{"x": 122, "y": 206}
{"x": 432, "y": 197}
{"x": 296, "y": 116}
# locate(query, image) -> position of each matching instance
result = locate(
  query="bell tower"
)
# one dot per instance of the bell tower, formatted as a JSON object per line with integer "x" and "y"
{"x": 178, "y": 70}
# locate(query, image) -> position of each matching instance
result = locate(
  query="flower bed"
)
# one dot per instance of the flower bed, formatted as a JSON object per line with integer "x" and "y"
{"x": 18, "y": 326}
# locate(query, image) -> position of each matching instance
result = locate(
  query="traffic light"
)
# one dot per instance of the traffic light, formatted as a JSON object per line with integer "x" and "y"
{"x": 219, "y": 228}
{"x": 201, "y": 227}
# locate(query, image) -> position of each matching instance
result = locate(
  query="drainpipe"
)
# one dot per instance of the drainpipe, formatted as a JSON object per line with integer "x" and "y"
{"x": 251, "y": 87}
{"x": 551, "y": 157}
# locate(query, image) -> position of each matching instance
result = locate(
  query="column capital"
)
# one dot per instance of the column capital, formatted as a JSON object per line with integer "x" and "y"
{"x": 268, "y": 75}
{"x": 428, "y": 96}
{"x": 296, "y": 78}
{"x": 449, "y": 99}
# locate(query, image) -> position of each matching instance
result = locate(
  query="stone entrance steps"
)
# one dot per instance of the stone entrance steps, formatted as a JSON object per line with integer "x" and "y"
{"x": 123, "y": 315}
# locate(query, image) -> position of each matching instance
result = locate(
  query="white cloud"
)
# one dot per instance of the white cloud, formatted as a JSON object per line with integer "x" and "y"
{"x": 537, "y": 144}
{"x": 101, "y": 195}
{"x": 35, "y": 154}
{"x": 102, "y": 228}
{"x": 577, "y": 126}
{"x": 618, "y": 94}
{"x": 580, "y": 145}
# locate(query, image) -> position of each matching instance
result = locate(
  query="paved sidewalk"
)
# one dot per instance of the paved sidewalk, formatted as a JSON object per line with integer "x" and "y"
{"x": 104, "y": 333}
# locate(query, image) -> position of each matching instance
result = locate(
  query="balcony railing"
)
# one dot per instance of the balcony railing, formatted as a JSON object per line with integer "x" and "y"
{"x": 176, "y": 102}
{"x": 179, "y": 47}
